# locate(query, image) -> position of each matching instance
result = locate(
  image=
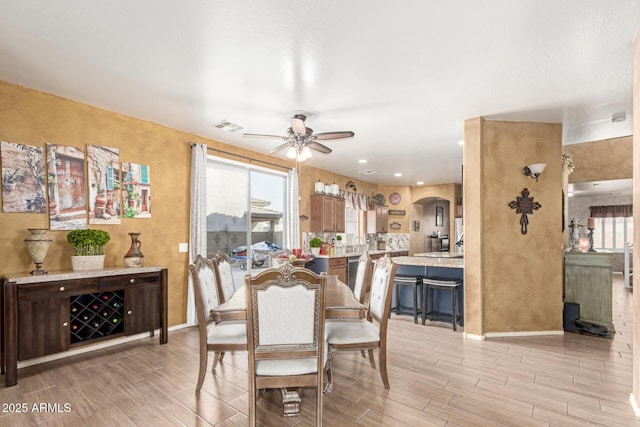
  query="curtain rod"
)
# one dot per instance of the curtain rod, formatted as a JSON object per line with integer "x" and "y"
{"x": 193, "y": 144}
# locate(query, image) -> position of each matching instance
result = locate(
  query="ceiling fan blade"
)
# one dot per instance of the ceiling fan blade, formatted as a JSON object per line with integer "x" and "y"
{"x": 297, "y": 123}
{"x": 259, "y": 135}
{"x": 320, "y": 147}
{"x": 279, "y": 147}
{"x": 334, "y": 135}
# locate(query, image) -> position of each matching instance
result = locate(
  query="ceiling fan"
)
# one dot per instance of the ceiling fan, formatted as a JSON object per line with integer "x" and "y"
{"x": 301, "y": 140}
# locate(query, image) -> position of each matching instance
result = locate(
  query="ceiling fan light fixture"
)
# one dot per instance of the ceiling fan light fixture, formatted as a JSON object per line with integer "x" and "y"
{"x": 292, "y": 153}
{"x": 306, "y": 151}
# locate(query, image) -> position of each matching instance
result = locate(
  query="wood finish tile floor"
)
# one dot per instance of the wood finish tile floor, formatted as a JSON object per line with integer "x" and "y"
{"x": 437, "y": 379}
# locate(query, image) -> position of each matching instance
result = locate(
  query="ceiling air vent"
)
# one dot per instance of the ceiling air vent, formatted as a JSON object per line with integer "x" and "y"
{"x": 367, "y": 172}
{"x": 228, "y": 126}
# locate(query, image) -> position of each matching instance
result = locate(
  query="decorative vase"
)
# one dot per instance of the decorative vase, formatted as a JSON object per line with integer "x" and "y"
{"x": 134, "y": 257}
{"x": 315, "y": 251}
{"x": 38, "y": 244}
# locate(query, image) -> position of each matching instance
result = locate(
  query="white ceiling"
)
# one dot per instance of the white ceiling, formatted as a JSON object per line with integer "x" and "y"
{"x": 614, "y": 187}
{"x": 402, "y": 75}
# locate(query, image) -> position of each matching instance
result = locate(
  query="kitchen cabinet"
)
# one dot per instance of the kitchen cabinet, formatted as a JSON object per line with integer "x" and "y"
{"x": 377, "y": 219}
{"x": 338, "y": 266}
{"x": 327, "y": 214}
{"x": 51, "y": 314}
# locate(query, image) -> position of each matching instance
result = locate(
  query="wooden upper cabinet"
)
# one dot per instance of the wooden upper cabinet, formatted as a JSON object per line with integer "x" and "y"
{"x": 377, "y": 219}
{"x": 327, "y": 214}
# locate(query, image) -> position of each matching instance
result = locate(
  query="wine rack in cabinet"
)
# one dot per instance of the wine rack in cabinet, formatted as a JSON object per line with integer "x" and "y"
{"x": 94, "y": 316}
{"x": 49, "y": 314}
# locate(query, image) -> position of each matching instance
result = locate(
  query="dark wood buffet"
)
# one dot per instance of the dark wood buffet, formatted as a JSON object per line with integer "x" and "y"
{"x": 54, "y": 313}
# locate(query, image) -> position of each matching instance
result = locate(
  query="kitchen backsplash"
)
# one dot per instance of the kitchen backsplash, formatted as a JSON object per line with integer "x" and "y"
{"x": 392, "y": 241}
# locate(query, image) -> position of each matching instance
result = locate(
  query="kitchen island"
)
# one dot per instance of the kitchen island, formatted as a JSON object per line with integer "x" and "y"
{"x": 346, "y": 265}
{"x": 447, "y": 266}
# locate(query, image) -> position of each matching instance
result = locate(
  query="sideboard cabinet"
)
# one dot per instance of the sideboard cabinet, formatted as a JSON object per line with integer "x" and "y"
{"x": 56, "y": 312}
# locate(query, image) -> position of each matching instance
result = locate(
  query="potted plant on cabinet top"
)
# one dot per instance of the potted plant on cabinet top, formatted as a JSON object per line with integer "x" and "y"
{"x": 88, "y": 248}
{"x": 314, "y": 245}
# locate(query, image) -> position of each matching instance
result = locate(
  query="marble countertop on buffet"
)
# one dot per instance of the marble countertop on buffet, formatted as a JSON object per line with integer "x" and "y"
{"x": 53, "y": 276}
{"x": 429, "y": 262}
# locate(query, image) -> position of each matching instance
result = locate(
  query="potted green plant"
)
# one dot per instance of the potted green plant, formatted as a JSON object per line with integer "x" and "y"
{"x": 314, "y": 245}
{"x": 88, "y": 248}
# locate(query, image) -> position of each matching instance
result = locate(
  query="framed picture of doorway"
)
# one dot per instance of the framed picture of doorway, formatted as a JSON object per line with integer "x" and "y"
{"x": 439, "y": 216}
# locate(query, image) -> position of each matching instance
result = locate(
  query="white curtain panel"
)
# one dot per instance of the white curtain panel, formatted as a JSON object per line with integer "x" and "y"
{"x": 355, "y": 201}
{"x": 293, "y": 210}
{"x": 198, "y": 217}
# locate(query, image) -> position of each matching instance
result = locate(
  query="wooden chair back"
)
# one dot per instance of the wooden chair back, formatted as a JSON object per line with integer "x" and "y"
{"x": 285, "y": 332}
{"x": 380, "y": 292}
{"x": 205, "y": 291}
{"x": 224, "y": 276}
{"x": 363, "y": 277}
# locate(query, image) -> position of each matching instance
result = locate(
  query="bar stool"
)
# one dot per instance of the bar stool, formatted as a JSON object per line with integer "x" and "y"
{"x": 447, "y": 284}
{"x": 414, "y": 281}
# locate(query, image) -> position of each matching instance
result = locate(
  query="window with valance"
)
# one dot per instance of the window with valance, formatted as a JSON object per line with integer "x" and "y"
{"x": 615, "y": 211}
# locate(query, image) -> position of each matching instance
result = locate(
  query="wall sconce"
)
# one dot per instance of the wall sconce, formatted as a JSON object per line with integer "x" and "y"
{"x": 534, "y": 170}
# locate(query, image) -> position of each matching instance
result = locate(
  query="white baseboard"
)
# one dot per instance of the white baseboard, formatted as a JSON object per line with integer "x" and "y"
{"x": 473, "y": 337}
{"x": 636, "y": 410}
{"x": 92, "y": 347}
{"x": 521, "y": 334}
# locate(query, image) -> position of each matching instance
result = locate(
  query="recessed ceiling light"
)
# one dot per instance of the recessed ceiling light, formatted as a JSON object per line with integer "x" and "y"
{"x": 362, "y": 161}
{"x": 420, "y": 183}
{"x": 397, "y": 174}
{"x": 367, "y": 172}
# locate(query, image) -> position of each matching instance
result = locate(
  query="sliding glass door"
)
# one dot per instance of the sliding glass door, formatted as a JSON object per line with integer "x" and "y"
{"x": 246, "y": 208}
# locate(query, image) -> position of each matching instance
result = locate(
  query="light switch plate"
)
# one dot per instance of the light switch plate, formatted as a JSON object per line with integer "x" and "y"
{"x": 183, "y": 247}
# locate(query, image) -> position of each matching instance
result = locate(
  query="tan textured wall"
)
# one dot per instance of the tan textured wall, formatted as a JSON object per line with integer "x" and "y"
{"x": 520, "y": 275}
{"x": 601, "y": 160}
{"x": 636, "y": 218}
{"x": 35, "y": 118}
{"x": 473, "y": 227}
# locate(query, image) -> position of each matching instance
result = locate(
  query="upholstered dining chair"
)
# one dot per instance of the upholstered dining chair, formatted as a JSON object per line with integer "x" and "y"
{"x": 224, "y": 276}
{"x": 227, "y": 336}
{"x": 361, "y": 286}
{"x": 363, "y": 277}
{"x": 285, "y": 330}
{"x": 366, "y": 334}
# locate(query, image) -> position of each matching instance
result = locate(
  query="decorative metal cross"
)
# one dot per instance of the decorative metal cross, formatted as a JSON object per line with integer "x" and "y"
{"x": 524, "y": 205}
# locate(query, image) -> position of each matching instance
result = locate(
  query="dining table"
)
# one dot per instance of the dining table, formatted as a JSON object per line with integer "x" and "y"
{"x": 340, "y": 303}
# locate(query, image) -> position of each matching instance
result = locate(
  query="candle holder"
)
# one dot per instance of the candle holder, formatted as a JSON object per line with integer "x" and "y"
{"x": 590, "y": 235}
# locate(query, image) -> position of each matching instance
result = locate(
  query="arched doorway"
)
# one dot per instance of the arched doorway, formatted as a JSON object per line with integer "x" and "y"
{"x": 436, "y": 227}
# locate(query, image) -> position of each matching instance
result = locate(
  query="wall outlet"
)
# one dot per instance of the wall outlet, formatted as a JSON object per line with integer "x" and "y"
{"x": 183, "y": 247}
